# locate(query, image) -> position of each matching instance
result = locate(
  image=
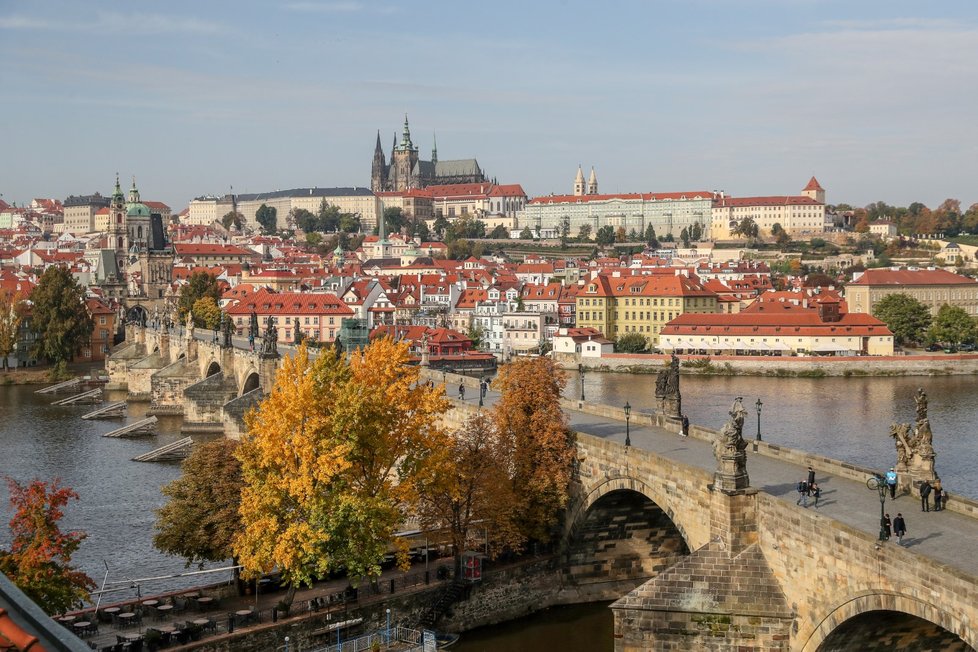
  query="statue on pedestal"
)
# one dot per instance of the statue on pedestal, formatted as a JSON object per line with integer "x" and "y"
{"x": 424, "y": 350}
{"x": 269, "y": 340}
{"x": 730, "y": 450}
{"x": 667, "y": 392}
{"x": 227, "y": 331}
{"x": 915, "y": 446}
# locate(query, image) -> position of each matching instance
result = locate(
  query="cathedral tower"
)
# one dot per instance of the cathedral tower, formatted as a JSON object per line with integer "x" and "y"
{"x": 579, "y": 182}
{"x": 592, "y": 183}
{"x": 378, "y": 170}
{"x": 117, "y": 225}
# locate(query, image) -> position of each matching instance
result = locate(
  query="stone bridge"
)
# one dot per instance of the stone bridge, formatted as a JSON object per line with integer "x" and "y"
{"x": 689, "y": 565}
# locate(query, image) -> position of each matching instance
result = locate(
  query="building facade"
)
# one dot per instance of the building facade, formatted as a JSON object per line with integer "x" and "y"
{"x": 802, "y": 214}
{"x": 932, "y": 287}
{"x": 356, "y": 201}
{"x": 405, "y": 170}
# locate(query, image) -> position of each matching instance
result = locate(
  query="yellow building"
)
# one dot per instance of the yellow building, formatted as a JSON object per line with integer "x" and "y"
{"x": 616, "y": 305}
{"x": 932, "y": 287}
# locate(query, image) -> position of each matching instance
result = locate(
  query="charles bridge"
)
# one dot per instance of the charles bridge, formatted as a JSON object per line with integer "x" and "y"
{"x": 697, "y": 550}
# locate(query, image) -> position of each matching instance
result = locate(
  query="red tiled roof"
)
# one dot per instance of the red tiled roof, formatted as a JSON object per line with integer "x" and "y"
{"x": 773, "y": 200}
{"x": 786, "y": 323}
{"x": 195, "y": 249}
{"x": 911, "y": 277}
{"x": 813, "y": 185}
{"x": 639, "y": 286}
{"x": 265, "y": 302}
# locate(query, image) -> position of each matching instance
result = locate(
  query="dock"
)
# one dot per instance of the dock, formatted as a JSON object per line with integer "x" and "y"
{"x": 61, "y": 387}
{"x": 91, "y": 396}
{"x": 111, "y": 411}
{"x": 174, "y": 451}
{"x": 145, "y": 426}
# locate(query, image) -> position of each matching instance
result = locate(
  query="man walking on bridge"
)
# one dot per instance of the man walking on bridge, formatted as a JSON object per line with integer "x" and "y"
{"x": 899, "y": 527}
{"x": 925, "y": 496}
{"x": 891, "y": 482}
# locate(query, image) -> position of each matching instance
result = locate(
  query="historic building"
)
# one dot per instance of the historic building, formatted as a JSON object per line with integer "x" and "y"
{"x": 802, "y": 214}
{"x": 405, "y": 169}
{"x": 932, "y": 287}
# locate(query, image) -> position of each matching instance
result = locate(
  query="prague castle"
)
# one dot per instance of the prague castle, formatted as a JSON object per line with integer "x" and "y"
{"x": 406, "y": 170}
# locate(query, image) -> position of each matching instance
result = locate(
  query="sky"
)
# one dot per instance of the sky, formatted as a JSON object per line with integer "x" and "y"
{"x": 877, "y": 99}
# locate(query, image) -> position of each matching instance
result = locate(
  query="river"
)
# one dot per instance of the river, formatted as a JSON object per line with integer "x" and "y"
{"x": 844, "y": 418}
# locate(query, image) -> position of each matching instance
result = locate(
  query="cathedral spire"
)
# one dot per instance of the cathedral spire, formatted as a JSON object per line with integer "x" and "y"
{"x": 378, "y": 148}
{"x": 592, "y": 183}
{"x": 133, "y": 192}
{"x": 434, "y": 148}
{"x": 579, "y": 182}
{"x": 406, "y": 136}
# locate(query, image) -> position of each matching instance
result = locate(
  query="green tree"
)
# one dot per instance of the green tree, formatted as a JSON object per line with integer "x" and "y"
{"x": 38, "y": 560}
{"x": 696, "y": 232}
{"x": 631, "y": 343}
{"x": 584, "y": 233}
{"x": 650, "y": 237}
{"x": 59, "y": 315}
{"x": 232, "y": 219}
{"x": 394, "y": 219}
{"x": 605, "y": 235}
{"x": 500, "y": 233}
{"x": 207, "y": 314}
{"x": 266, "y": 217}
{"x": 564, "y": 231}
{"x": 200, "y": 520}
{"x": 305, "y": 220}
{"x": 441, "y": 226}
{"x": 907, "y": 318}
{"x": 953, "y": 325}
{"x": 12, "y": 309}
{"x": 328, "y": 218}
{"x": 199, "y": 285}
{"x": 684, "y": 237}
{"x": 526, "y": 233}
{"x": 349, "y": 223}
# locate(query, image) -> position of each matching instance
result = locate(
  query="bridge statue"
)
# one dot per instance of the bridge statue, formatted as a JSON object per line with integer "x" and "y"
{"x": 269, "y": 340}
{"x": 227, "y": 331}
{"x": 730, "y": 450}
{"x": 424, "y": 350}
{"x": 667, "y": 393}
{"x": 915, "y": 447}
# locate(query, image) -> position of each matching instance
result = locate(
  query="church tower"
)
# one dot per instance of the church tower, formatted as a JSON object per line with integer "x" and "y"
{"x": 378, "y": 170}
{"x": 592, "y": 183}
{"x": 814, "y": 191}
{"x": 579, "y": 182}
{"x": 117, "y": 225}
{"x": 403, "y": 161}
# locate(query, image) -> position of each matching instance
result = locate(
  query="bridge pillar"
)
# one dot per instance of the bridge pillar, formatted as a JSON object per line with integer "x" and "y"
{"x": 723, "y": 596}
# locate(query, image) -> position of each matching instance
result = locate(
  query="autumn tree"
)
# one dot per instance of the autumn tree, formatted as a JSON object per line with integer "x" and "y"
{"x": 200, "y": 520}
{"x": 207, "y": 314}
{"x": 471, "y": 490}
{"x": 906, "y": 317}
{"x": 332, "y": 461}
{"x": 534, "y": 428}
{"x": 59, "y": 315}
{"x": 953, "y": 325}
{"x": 199, "y": 285}
{"x": 39, "y": 558}
{"x": 11, "y": 315}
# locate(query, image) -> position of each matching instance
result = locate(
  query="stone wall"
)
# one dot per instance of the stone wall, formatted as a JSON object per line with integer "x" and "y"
{"x": 235, "y": 410}
{"x": 204, "y": 401}
{"x": 167, "y": 385}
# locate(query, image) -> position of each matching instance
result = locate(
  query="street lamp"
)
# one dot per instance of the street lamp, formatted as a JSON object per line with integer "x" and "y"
{"x": 758, "y": 406}
{"x": 388, "y": 628}
{"x": 628, "y": 414}
{"x": 878, "y": 482}
{"x": 580, "y": 370}
{"x": 482, "y": 384}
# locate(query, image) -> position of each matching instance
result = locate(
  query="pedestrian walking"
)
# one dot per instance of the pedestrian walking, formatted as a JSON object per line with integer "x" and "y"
{"x": 802, "y": 494}
{"x": 938, "y": 495}
{"x": 816, "y": 492}
{"x": 484, "y": 388}
{"x": 811, "y": 477}
{"x": 899, "y": 527}
{"x": 891, "y": 481}
{"x": 461, "y": 392}
{"x": 886, "y": 527}
{"x": 685, "y": 426}
{"x": 925, "y": 496}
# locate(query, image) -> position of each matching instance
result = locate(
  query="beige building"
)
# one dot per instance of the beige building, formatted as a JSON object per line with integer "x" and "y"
{"x": 802, "y": 214}
{"x": 932, "y": 287}
{"x": 358, "y": 201}
{"x": 208, "y": 209}
{"x": 80, "y": 212}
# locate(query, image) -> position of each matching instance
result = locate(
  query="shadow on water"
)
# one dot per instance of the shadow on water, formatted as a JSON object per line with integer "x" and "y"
{"x": 573, "y": 628}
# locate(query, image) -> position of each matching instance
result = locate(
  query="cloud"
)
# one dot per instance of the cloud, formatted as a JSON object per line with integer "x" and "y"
{"x": 105, "y": 22}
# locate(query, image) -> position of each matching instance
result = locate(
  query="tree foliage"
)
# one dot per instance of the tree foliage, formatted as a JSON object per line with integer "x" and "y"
{"x": 472, "y": 489}
{"x": 266, "y": 217}
{"x": 499, "y": 233}
{"x": 332, "y": 462}
{"x": 199, "y": 285}
{"x": 394, "y": 219}
{"x": 12, "y": 309}
{"x": 584, "y": 233}
{"x": 631, "y": 343}
{"x": 534, "y": 427}
{"x": 207, "y": 314}
{"x": 232, "y": 219}
{"x": 905, "y": 316}
{"x": 201, "y": 519}
{"x": 39, "y": 558}
{"x": 59, "y": 315}
{"x": 526, "y": 233}
{"x": 605, "y": 235}
{"x": 953, "y": 325}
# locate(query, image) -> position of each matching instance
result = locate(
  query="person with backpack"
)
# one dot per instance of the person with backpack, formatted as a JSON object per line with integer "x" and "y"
{"x": 802, "y": 494}
{"x": 816, "y": 492}
{"x": 925, "y": 496}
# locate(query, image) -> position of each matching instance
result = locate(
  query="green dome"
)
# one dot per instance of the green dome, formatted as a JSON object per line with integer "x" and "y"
{"x": 137, "y": 210}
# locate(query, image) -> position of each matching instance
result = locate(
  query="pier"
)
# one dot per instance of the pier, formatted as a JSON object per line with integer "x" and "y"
{"x": 173, "y": 452}
{"x": 91, "y": 396}
{"x": 115, "y": 410}
{"x": 145, "y": 426}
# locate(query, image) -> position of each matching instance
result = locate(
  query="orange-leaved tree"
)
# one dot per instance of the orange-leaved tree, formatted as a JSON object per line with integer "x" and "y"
{"x": 39, "y": 558}
{"x": 472, "y": 491}
{"x": 11, "y": 314}
{"x": 534, "y": 427}
{"x": 332, "y": 460}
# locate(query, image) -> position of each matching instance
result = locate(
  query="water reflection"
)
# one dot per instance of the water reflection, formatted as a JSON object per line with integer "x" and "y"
{"x": 574, "y": 628}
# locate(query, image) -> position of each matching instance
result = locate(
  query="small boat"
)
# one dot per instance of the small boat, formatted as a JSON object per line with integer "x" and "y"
{"x": 444, "y": 640}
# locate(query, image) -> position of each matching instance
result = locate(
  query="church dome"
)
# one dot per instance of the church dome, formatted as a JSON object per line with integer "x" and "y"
{"x": 137, "y": 210}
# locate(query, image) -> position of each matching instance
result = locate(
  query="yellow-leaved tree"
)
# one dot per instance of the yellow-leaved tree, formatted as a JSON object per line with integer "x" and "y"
{"x": 332, "y": 461}
{"x": 534, "y": 428}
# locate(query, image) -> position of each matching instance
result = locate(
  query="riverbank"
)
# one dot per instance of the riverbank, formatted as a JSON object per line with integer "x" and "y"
{"x": 783, "y": 367}
{"x": 42, "y": 375}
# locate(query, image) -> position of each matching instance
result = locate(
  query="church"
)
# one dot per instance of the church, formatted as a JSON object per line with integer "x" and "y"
{"x": 406, "y": 170}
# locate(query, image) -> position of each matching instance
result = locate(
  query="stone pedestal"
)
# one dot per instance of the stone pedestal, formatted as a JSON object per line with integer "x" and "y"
{"x": 731, "y": 474}
{"x": 670, "y": 407}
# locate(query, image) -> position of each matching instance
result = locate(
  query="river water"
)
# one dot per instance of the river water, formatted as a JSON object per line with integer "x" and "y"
{"x": 844, "y": 418}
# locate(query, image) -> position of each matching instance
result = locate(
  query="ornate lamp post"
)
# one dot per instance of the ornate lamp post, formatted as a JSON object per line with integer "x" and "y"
{"x": 482, "y": 384}
{"x": 628, "y": 434}
{"x": 580, "y": 370}
{"x": 758, "y": 406}
{"x": 878, "y": 483}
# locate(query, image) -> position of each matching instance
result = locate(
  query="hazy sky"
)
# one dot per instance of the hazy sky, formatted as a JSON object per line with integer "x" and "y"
{"x": 876, "y": 99}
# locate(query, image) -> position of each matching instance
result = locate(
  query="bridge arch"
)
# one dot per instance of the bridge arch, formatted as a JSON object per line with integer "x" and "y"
{"x": 847, "y": 613}
{"x": 213, "y": 368}
{"x": 137, "y": 315}
{"x": 252, "y": 381}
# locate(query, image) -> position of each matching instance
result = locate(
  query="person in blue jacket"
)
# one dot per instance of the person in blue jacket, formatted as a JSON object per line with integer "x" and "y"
{"x": 891, "y": 481}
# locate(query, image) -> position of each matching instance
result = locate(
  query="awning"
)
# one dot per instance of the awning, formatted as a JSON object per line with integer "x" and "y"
{"x": 741, "y": 345}
{"x": 667, "y": 345}
{"x": 780, "y": 346}
{"x": 761, "y": 346}
{"x": 829, "y": 347}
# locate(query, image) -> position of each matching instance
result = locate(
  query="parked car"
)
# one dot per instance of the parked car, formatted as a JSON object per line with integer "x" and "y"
{"x": 933, "y": 348}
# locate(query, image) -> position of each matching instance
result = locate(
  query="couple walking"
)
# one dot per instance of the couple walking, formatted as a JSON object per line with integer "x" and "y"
{"x": 899, "y": 527}
{"x": 809, "y": 488}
